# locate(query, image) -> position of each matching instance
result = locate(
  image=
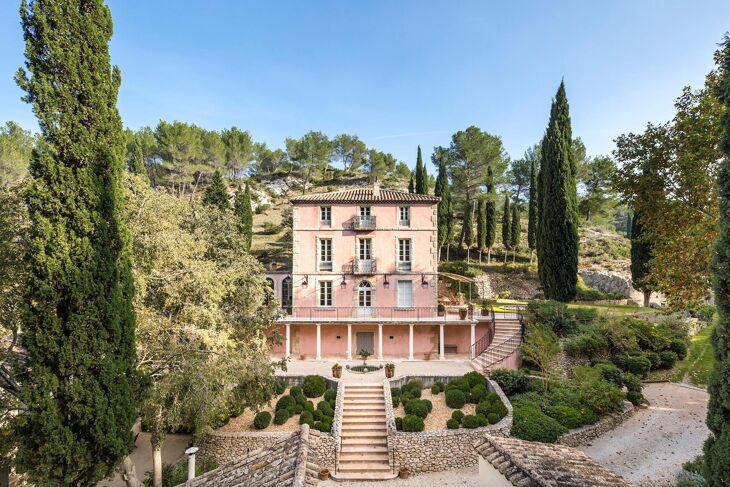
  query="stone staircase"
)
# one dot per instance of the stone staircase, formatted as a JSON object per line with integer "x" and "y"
{"x": 502, "y": 346}
{"x": 364, "y": 435}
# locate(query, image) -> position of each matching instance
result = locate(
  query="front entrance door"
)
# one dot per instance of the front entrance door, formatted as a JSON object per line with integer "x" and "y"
{"x": 366, "y": 340}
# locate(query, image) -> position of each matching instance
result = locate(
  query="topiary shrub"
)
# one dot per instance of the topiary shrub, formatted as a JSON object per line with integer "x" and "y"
{"x": 309, "y": 406}
{"x": 511, "y": 381}
{"x": 477, "y": 394}
{"x": 399, "y": 424}
{"x": 435, "y": 389}
{"x": 470, "y": 421}
{"x": 482, "y": 420}
{"x": 494, "y": 418}
{"x": 308, "y": 418}
{"x": 413, "y": 387}
{"x": 678, "y": 346}
{"x": 452, "y": 424}
{"x": 474, "y": 378}
{"x": 413, "y": 423}
{"x": 490, "y": 406}
{"x": 529, "y": 423}
{"x": 457, "y": 416}
{"x": 455, "y": 398}
{"x": 634, "y": 397}
{"x": 326, "y": 408}
{"x": 279, "y": 387}
{"x": 281, "y": 416}
{"x": 330, "y": 395}
{"x": 296, "y": 392}
{"x": 262, "y": 420}
{"x": 285, "y": 402}
{"x": 298, "y": 409}
{"x": 440, "y": 385}
{"x": 428, "y": 404}
{"x": 317, "y": 415}
{"x": 395, "y": 392}
{"x": 418, "y": 409}
{"x": 314, "y": 385}
{"x": 667, "y": 359}
{"x": 460, "y": 384}
{"x": 324, "y": 426}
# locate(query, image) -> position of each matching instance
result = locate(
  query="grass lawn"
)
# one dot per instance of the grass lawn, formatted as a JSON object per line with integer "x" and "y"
{"x": 622, "y": 309}
{"x": 696, "y": 367}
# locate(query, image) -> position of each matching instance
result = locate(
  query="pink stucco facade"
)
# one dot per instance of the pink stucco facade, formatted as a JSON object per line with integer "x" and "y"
{"x": 364, "y": 275}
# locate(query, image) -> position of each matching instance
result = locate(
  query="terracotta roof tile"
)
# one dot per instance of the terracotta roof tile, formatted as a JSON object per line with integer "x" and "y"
{"x": 365, "y": 195}
{"x": 532, "y": 464}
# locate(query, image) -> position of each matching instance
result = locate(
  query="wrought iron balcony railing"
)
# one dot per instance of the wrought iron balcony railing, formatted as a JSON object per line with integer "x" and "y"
{"x": 363, "y": 266}
{"x": 361, "y": 222}
{"x": 448, "y": 313}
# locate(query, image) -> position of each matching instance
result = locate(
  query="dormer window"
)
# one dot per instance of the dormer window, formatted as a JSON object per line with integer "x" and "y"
{"x": 325, "y": 215}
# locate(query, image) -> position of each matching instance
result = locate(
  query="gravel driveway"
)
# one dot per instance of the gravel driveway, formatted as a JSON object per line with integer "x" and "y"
{"x": 650, "y": 447}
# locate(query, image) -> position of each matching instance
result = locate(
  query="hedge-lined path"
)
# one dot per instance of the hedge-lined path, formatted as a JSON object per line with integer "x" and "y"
{"x": 650, "y": 447}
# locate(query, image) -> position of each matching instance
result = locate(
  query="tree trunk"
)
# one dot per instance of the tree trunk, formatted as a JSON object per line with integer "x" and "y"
{"x": 156, "y": 443}
{"x": 448, "y": 249}
{"x": 468, "y": 250}
{"x": 514, "y": 255}
{"x": 506, "y": 251}
{"x": 489, "y": 255}
{"x": 532, "y": 254}
{"x": 647, "y": 298}
{"x": 439, "y": 253}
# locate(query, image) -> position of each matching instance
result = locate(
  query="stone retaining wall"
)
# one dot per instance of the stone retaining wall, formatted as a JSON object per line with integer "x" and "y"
{"x": 580, "y": 436}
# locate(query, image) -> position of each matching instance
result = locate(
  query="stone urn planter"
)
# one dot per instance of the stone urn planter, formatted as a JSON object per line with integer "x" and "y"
{"x": 462, "y": 313}
{"x": 337, "y": 371}
{"x": 389, "y": 370}
{"x": 441, "y": 310}
{"x": 324, "y": 474}
{"x": 403, "y": 473}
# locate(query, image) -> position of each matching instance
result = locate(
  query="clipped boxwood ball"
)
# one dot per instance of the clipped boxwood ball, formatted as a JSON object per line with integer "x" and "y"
{"x": 399, "y": 423}
{"x": 455, "y": 398}
{"x": 262, "y": 420}
{"x": 470, "y": 421}
{"x": 452, "y": 424}
{"x": 413, "y": 423}
{"x": 281, "y": 416}
{"x": 285, "y": 402}
{"x": 314, "y": 385}
{"x": 330, "y": 395}
{"x": 457, "y": 416}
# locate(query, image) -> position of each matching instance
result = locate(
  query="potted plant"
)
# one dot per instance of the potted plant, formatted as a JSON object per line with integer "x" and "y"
{"x": 389, "y": 370}
{"x": 324, "y": 474}
{"x": 441, "y": 309}
{"x": 364, "y": 354}
{"x": 403, "y": 472}
{"x": 486, "y": 307}
{"x": 337, "y": 371}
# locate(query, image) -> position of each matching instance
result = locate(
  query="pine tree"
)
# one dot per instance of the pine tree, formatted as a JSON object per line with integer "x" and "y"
{"x": 506, "y": 232}
{"x": 558, "y": 241}
{"x": 411, "y": 185}
{"x": 444, "y": 214}
{"x": 481, "y": 228}
{"x": 136, "y": 165}
{"x": 80, "y": 388}
{"x": 640, "y": 256}
{"x": 532, "y": 211}
{"x": 490, "y": 214}
{"x": 242, "y": 209}
{"x": 468, "y": 228}
{"x": 421, "y": 183}
{"x": 717, "y": 447}
{"x": 216, "y": 194}
{"x": 515, "y": 230}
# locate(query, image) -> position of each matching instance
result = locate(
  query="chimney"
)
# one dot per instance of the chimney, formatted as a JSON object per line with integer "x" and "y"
{"x": 376, "y": 189}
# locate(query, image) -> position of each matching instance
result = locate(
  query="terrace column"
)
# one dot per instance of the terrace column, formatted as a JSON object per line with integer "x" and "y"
{"x": 410, "y": 342}
{"x": 349, "y": 341}
{"x": 441, "y": 341}
{"x": 319, "y": 343}
{"x": 472, "y": 352}
{"x": 287, "y": 342}
{"x": 380, "y": 341}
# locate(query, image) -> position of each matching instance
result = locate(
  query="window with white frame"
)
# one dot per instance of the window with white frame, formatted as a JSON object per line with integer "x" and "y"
{"x": 404, "y": 216}
{"x": 325, "y": 254}
{"x": 404, "y": 298}
{"x": 365, "y": 211}
{"x": 325, "y": 215}
{"x": 404, "y": 254}
{"x": 365, "y": 249}
{"x": 325, "y": 293}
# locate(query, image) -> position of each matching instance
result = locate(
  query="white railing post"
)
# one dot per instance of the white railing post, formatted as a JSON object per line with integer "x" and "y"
{"x": 190, "y": 452}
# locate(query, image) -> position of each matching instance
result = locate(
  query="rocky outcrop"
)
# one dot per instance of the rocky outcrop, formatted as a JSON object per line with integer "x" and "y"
{"x": 616, "y": 282}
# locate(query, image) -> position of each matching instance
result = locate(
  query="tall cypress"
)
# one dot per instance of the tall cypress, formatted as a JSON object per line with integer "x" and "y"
{"x": 468, "y": 227}
{"x": 532, "y": 210}
{"x": 421, "y": 183}
{"x": 216, "y": 194}
{"x": 242, "y": 209}
{"x": 490, "y": 214}
{"x": 481, "y": 228}
{"x": 717, "y": 447}
{"x": 136, "y": 164}
{"x": 506, "y": 232}
{"x": 411, "y": 185}
{"x": 515, "y": 229}
{"x": 640, "y": 256}
{"x": 80, "y": 388}
{"x": 540, "y": 192}
{"x": 559, "y": 215}
{"x": 444, "y": 215}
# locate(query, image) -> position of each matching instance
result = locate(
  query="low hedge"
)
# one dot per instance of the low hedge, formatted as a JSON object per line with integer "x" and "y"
{"x": 262, "y": 420}
{"x": 531, "y": 424}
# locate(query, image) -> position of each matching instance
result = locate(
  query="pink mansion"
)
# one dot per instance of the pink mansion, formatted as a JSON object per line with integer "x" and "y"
{"x": 364, "y": 276}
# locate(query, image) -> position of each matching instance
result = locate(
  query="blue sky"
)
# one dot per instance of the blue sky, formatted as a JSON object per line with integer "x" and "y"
{"x": 398, "y": 73}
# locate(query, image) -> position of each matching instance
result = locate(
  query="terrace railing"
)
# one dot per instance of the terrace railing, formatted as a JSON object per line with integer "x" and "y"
{"x": 377, "y": 313}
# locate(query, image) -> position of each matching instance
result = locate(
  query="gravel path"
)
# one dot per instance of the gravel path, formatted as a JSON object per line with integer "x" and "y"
{"x": 650, "y": 447}
{"x": 463, "y": 477}
{"x": 436, "y": 419}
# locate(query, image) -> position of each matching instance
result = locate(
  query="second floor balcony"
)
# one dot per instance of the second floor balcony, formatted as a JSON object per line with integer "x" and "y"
{"x": 363, "y": 222}
{"x": 367, "y": 313}
{"x": 363, "y": 267}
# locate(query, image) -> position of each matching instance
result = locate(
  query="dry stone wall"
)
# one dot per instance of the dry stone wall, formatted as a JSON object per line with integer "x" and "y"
{"x": 581, "y": 436}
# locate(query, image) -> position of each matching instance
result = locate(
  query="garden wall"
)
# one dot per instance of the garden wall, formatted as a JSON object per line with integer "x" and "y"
{"x": 580, "y": 436}
{"x": 434, "y": 451}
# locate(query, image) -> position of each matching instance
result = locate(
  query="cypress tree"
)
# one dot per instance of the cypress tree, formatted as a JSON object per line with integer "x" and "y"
{"x": 136, "y": 164}
{"x": 411, "y": 185}
{"x": 506, "y": 231}
{"x": 80, "y": 388}
{"x": 481, "y": 228}
{"x": 242, "y": 209}
{"x": 216, "y": 193}
{"x": 540, "y": 192}
{"x": 490, "y": 214}
{"x": 444, "y": 215}
{"x": 640, "y": 256}
{"x": 421, "y": 183}
{"x": 532, "y": 211}
{"x": 515, "y": 230}
{"x": 558, "y": 241}
{"x": 629, "y": 223}
{"x": 468, "y": 227}
{"x": 717, "y": 447}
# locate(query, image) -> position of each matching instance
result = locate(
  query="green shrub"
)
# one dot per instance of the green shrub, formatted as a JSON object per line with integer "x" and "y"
{"x": 279, "y": 387}
{"x": 452, "y": 424}
{"x": 262, "y": 420}
{"x": 330, "y": 395}
{"x": 696, "y": 465}
{"x": 585, "y": 344}
{"x": 326, "y": 408}
{"x": 556, "y": 314}
{"x": 635, "y": 363}
{"x": 396, "y": 401}
{"x": 324, "y": 426}
{"x": 309, "y": 406}
{"x": 635, "y": 397}
{"x": 565, "y": 415}
{"x": 477, "y": 394}
{"x": 482, "y": 420}
{"x": 511, "y": 381}
{"x": 455, "y": 399}
{"x": 679, "y": 346}
{"x": 705, "y": 313}
{"x": 632, "y": 382}
{"x": 474, "y": 378}
{"x": 457, "y": 416}
{"x": 460, "y": 384}
{"x": 296, "y": 392}
{"x": 413, "y": 423}
{"x": 494, "y": 418}
{"x": 600, "y": 395}
{"x": 654, "y": 358}
{"x": 667, "y": 359}
{"x": 531, "y": 424}
{"x": 298, "y": 409}
{"x": 281, "y": 416}
{"x": 413, "y": 387}
{"x": 470, "y": 421}
{"x": 435, "y": 389}
{"x": 487, "y": 407}
{"x": 317, "y": 415}
{"x": 399, "y": 424}
{"x": 441, "y": 386}
{"x": 314, "y": 385}
{"x": 307, "y": 418}
{"x": 418, "y": 409}
{"x": 610, "y": 372}
{"x": 285, "y": 402}
{"x": 395, "y": 392}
